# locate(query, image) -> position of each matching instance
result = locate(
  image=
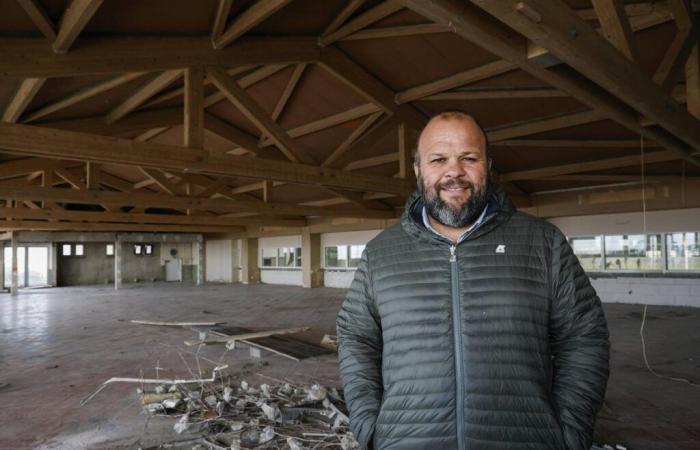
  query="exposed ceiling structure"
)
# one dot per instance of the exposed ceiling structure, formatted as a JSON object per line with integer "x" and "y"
{"x": 223, "y": 116}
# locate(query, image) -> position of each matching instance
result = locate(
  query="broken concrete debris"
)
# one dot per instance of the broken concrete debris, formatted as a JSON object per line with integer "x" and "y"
{"x": 282, "y": 416}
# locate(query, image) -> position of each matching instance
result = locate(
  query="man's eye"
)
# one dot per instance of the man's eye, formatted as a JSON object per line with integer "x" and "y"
{"x": 438, "y": 160}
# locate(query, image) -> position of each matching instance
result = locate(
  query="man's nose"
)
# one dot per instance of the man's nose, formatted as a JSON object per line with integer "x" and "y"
{"x": 455, "y": 168}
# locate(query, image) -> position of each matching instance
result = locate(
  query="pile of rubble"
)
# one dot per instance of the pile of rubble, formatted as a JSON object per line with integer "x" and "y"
{"x": 241, "y": 416}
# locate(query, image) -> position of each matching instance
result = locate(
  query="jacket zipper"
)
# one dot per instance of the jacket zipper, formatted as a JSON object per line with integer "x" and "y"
{"x": 459, "y": 361}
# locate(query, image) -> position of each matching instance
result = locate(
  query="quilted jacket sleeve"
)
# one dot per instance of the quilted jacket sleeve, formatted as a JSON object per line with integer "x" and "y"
{"x": 360, "y": 355}
{"x": 580, "y": 348}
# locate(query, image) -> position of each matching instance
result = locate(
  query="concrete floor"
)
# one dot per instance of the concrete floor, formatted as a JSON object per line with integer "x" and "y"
{"x": 57, "y": 345}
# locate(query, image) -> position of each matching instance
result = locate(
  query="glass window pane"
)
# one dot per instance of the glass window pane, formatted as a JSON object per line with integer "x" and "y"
{"x": 297, "y": 257}
{"x": 589, "y": 251}
{"x": 109, "y": 249}
{"x": 138, "y": 249}
{"x": 79, "y": 250}
{"x": 20, "y": 266}
{"x": 269, "y": 257}
{"x": 286, "y": 257}
{"x": 683, "y": 251}
{"x": 633, "y": 252}
{"x": 337, "y": 256}
{"x": 38, "y": 266}
{"x": 355, "y": 255}
{"x": 149, "y": 249}
{"x": 66, "y": 249}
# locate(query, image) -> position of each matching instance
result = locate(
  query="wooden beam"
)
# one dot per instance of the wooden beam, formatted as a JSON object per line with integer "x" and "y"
{"x": 178, "y": 202}
{"x": 286, "y": 94}
{"x": 222, "y": 12}
{"x": 231, "y": 133}
{"x": 253, "y": 112}
{"x": 76, "y": 16}
{"x": 60, "y": 144}
{"x": 173, "y": 219}
{"x": 256, "y": 13}
{"x": 150, "y": 134}
{"x": 405, "y": 155}
{"x": 481, "y": 94}
{"x": 143, "y": 93}
{"x": 268, "y": 191}
{"x": 607, "y": 178}
{"x": 372, "y": 162}
{"x": 594, "y": 58}
{"x": 671, "y": 66}
{"x": 81, "y": 95}
{"x": 194, "y": 107}
{"x": 390, "y": 32}
{"x": 35, "y": 10}
{"x": 24, "y": 166}
{"x": 38, "y": 225}
{"x": 69, "y": 177}
{"x": 692, "y": 82}
{"x": 541, "y": 125}
{"x": 375, "y": 14}
{"x": 30, "y": 57}
{"x": 615, "y": 26}
{"x": 574, "y": 143}
{"x": 459, "y": 79}
{"x": 588, "y": 166}
{"x": 343, "y": 15}
{"x": 135, "y": 122}
{"x": 328, "y": 122}
{"x": 161, "y": 180}
{"x": 346, "y": 144}
{"x": 92, "y": 175}
{"x": 632, "y": 10}
{"x": 25, "y": 93}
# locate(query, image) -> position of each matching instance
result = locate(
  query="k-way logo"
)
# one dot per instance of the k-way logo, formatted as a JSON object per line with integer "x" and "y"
{"x": 501, "y": 248}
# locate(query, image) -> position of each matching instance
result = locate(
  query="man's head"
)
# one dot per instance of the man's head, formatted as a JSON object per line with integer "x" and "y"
{"x": 452, "y": 163}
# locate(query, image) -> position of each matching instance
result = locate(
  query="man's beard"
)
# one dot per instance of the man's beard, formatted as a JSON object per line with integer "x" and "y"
{"x": 460, "y": 216}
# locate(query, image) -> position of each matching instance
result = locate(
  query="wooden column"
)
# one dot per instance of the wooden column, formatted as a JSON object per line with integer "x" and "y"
{"x": 117, "y": 264}
{"x": 250, "y": 272}
{"x": 312, "y": 274}
{"x": 14, "y": 280}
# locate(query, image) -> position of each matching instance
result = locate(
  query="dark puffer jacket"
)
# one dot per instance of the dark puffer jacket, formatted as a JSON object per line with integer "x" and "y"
{"x": 499, "y": 342}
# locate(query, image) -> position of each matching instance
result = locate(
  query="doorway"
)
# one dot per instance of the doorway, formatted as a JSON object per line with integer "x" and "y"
{"x": 32, "y": 266}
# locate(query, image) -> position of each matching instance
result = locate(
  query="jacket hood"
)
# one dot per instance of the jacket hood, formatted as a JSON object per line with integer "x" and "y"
{"x": 498, "y": 210}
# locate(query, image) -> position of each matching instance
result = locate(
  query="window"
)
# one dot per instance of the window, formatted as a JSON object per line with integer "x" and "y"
{"x": 79, "y": 250}
{"x": 138, "y": 249}
{"x": 148, "y": 249}
{"x": 589, "y": 251}
{"x": 282, "y": 257}
{"x": 683, "y": 251}
{"x": 109, "y": 249}
{"x": 336, "y": 257}
{"x": 633, "y": 252}
{"x": 355, "y": 255}
{"x": 66, "y": 250}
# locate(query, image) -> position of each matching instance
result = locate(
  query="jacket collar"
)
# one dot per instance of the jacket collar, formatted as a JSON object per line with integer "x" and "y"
{"x": 498, "y": 210}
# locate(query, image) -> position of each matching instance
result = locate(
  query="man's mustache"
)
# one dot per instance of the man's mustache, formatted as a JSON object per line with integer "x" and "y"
{"x": 453, "y": 183}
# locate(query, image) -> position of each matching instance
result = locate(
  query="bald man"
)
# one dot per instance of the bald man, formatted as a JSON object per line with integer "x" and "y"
{"x": 470, "y": 325}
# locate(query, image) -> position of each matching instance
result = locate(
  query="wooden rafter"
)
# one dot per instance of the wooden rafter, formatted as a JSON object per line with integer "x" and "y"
{"x": 82, "y": 95}
{"x": 31, "y": 58}
{"x": 161, "y": 180}
{"x": 615, "y": 26}
{"x": 77, "y": 15}
{"x": 286, "y": 94}
{"x": 35, "y": 10}
{"x": 597, "y": 60}
{"x": 375, "y": 14}
{"x": 372, "y": 162}
{"x": 473, "y": 24}
{"x": 692, "y": 82}
{"x": 671, "y": 66}
{"x": 481, "y": 94}
{"x": 222, "y": 12}
{"x": 25, "y": 93}
{"x": 179, "y": 202}
{"x": 256, "y": 13}
{"x": 70, "y": 178}
{"x": 253, "y": 112}
{"x": 389, "y": 32}
{"x": 194, "y": 107}
{"x": 40, "y": 225}
{"x": 150, "y": 134}
{"x": 574, "y": 143}
{"x": 459, "y": 79}
{"x": 345, "y": 145}
{"x": 53, "y": 143}
{"x": 343, "y": 15}
{"x": 137, "y": 98}
{"x": 541, "y": 125}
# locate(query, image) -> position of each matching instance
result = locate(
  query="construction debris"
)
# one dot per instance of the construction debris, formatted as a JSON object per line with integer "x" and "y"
{"x": 330, "y": 342}
{"x": 177, "y": 324}
{"x": 283, "y": 416}
{"x": 230, "y": 340}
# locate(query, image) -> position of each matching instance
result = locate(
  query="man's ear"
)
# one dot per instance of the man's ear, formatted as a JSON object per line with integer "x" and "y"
{"x": 416, "y": 170}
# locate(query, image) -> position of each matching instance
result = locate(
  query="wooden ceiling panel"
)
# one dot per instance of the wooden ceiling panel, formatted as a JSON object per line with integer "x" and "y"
{"x": 415, "y": 60}
{"x": 322, "y": 143}
{"x": 297, "y": 17}
{"x": 602, "y": 129}
{"x": 508, "y": 159}
{"x": 498, "y": 112}
{"x": 653, "y": 43}
{"x": 509, "y": 80}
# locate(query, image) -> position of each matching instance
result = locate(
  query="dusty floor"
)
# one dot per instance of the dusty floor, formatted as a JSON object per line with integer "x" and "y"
{"x": 58, "y": 345}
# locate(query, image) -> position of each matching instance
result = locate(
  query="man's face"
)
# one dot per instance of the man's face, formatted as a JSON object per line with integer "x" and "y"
{"x": 453, "y": 174}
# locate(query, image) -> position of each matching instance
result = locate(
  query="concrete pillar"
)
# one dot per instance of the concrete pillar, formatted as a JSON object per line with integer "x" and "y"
{"x": 2, "y": 266}
{"x": 312, "y": 274}
{"x": 250, "y": 272}
{"x": 53, "y": 268}
{"x": 15, "y": 280}
{"x": 117, "y": 264}
{"x": 199, "y": 249}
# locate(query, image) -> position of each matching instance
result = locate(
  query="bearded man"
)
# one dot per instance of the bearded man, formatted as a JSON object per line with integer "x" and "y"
{"x": 470, "y": 325}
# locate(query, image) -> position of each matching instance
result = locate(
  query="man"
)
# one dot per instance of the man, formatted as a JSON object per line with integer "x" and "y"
{"x": 470, "y": 325}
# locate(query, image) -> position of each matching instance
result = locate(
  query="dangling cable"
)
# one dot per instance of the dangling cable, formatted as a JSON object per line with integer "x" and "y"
{"x": 644, "y": 315}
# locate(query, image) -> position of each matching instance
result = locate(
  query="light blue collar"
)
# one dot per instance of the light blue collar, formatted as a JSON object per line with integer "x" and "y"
{"x": 473, "y": 226}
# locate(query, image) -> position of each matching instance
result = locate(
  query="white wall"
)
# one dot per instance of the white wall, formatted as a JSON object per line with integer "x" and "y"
{"x": 652, "y": 290}
{"x": 342, "y": 278}
{"x": 291, "y": 277}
